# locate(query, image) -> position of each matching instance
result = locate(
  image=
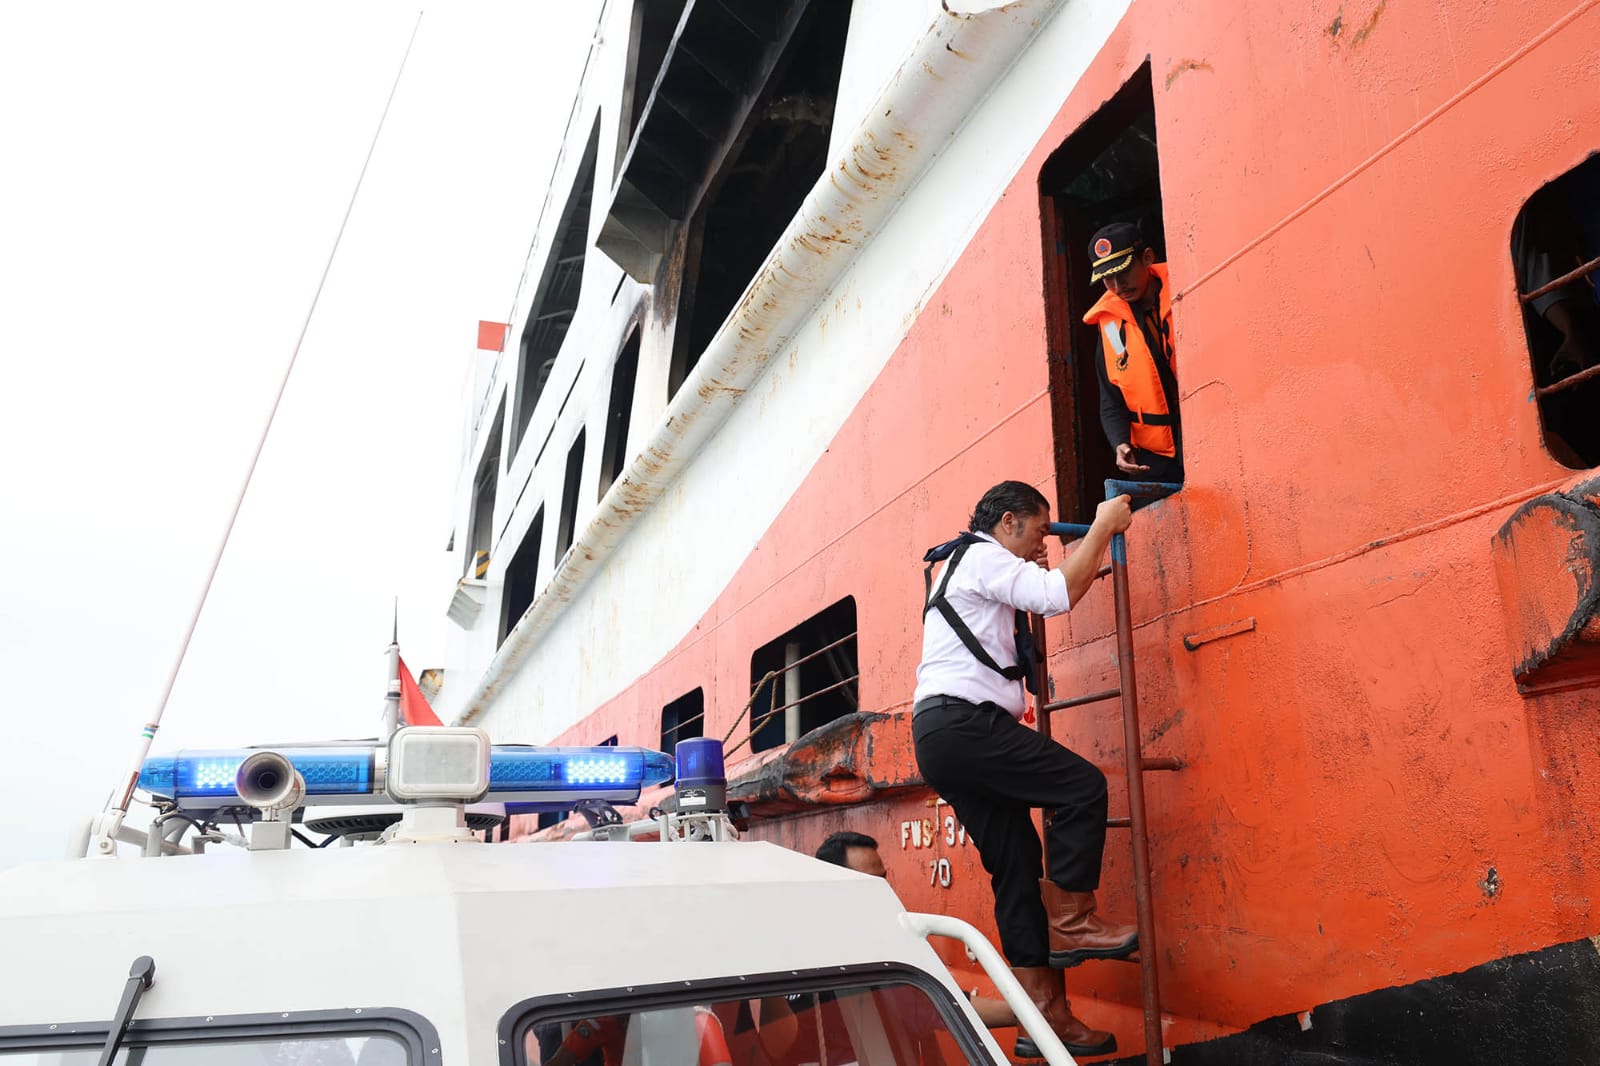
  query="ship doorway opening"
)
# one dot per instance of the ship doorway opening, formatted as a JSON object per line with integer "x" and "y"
{"x": 1555, "y": 250}
{"x": 814, "y": 677}
{"x": 771, "y": 165}
{"x": 1106, "y": 171}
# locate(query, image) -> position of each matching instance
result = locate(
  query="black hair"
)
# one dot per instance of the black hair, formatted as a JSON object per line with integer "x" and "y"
{"x": 1018, "y": 497}
{"x": 834, "y": 848}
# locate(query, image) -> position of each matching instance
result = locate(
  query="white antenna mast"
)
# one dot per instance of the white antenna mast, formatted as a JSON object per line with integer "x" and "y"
{"x": 391, "y": 702}
{"x": 107, "y": 824}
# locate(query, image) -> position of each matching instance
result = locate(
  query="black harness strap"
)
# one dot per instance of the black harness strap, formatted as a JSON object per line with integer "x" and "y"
{"x": 954, "y": 550}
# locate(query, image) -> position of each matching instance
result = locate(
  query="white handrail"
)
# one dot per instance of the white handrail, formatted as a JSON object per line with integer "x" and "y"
{"x": 1044, "y": 1037}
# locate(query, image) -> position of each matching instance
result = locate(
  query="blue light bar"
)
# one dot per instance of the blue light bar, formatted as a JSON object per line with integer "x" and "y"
{"x": 204, "y": 779}
{"x": 522, "y": 769}
{"x": 208, "y": 775}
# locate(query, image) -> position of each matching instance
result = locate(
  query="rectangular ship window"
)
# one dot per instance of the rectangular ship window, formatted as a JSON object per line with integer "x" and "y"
{"x": 555, "y": 300}
{"x": 730, "y": 114}
{"x": 614, "y": 452}
{"x": 1555, "y": 252}
{"x": 480, "y": 537}
{"x": 569, "y": 498}
{"x": 813, "y": 679}
{"x": 1108, "y": 172}
{"x": 654, "y": 22}
{"x": 683, "y": 719}
{"x": 776, "y": 159}
{"x": 522, "y": 577}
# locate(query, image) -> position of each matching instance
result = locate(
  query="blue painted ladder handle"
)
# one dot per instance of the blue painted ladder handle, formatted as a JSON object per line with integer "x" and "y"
{"x": 1067, "y": 530}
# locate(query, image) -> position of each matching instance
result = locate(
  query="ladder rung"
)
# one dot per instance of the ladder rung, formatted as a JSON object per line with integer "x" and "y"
{"x": 1118, "y": 823}
{"x": 1163, "y": 762}
{"x": 1079, "y": 701}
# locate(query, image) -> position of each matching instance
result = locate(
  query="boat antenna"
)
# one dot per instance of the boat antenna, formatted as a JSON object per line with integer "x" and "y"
{"x": 103, "y": 837}
{"x": 391, "y": 700}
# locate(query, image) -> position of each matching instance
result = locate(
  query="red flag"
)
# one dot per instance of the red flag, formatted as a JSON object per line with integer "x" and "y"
{"x": 414, "y": 709}
{"x": 492, "y": 336}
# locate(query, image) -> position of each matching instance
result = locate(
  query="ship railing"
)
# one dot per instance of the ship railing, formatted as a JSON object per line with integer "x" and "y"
{"x": 1568, "y": 278}
{"x": 790, "y": 708}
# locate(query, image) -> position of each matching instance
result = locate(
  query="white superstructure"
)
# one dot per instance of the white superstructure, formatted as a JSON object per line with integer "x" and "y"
{"x": 937, "y": 106}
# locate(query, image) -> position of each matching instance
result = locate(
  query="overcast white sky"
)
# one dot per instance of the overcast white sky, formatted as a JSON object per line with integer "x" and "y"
{"x": 171, "y": 179}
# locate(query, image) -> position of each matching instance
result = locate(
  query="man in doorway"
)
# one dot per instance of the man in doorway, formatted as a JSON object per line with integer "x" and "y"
{"x": 973, "y": 749}
{"x": 1137, "y": 364}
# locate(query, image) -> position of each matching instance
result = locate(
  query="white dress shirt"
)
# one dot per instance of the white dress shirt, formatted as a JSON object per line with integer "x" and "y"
{"x": 986, "y": 590}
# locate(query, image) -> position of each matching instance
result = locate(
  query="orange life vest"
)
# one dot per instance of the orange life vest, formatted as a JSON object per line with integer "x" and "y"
{"x": 1131, "y": 366}
{"x": 713, "y": 1040}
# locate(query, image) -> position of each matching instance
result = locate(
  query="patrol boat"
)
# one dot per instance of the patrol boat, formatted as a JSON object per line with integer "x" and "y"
{"x": 427, "y": 946}
{"x": 812, "y": 276}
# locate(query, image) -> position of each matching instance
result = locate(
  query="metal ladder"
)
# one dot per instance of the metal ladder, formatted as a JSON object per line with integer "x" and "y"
{"x": 1135, "y": 762}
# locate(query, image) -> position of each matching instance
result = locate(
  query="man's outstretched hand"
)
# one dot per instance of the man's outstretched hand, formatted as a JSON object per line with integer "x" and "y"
{"x": 1125, "y": 461}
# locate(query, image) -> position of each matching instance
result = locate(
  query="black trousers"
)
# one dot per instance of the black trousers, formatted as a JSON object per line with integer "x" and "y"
{"x": 993, "y": 770}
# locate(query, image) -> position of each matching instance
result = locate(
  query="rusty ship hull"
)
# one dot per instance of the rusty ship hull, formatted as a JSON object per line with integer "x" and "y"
{"x": 1365, "y": 627}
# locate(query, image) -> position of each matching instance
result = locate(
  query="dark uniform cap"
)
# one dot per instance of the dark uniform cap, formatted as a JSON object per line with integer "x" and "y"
{"x": 1112, "y": 249}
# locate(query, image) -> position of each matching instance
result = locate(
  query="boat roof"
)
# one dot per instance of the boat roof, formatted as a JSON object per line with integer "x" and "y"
{"x": 459, "y": 934}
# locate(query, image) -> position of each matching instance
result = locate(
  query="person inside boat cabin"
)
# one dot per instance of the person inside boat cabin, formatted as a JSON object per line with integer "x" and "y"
{"x": 791, "y": 1025}
{"x": 1137, "y": 364}
{"x": 859, "y": 852}
{"x": 973, "y": 749}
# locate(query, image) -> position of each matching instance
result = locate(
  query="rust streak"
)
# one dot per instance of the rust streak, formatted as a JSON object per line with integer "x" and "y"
{"x": 1183, "y": 66}
{"x": 1159, "y": 730}
{"x": 1368, "y": 26}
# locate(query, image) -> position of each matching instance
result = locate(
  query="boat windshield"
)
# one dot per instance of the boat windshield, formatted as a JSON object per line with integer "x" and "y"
{"x": 886, "y": 1025}
{"x": 364, "y": 1049}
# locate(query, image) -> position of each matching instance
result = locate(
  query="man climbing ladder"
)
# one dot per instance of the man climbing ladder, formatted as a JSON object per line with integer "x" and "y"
{"x": 971, "y": 747}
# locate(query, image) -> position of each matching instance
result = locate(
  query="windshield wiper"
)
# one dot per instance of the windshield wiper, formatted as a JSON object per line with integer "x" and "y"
{"x": 140, "y": 975}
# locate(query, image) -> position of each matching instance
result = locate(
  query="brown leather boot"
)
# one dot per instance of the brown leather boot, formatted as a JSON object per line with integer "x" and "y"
{"x": 1048, "y": 990}
{"x": 1078, "y": 933}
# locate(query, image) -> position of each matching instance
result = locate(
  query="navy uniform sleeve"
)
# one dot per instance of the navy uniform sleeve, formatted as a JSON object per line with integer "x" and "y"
{"x": 1115, "y": 418}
